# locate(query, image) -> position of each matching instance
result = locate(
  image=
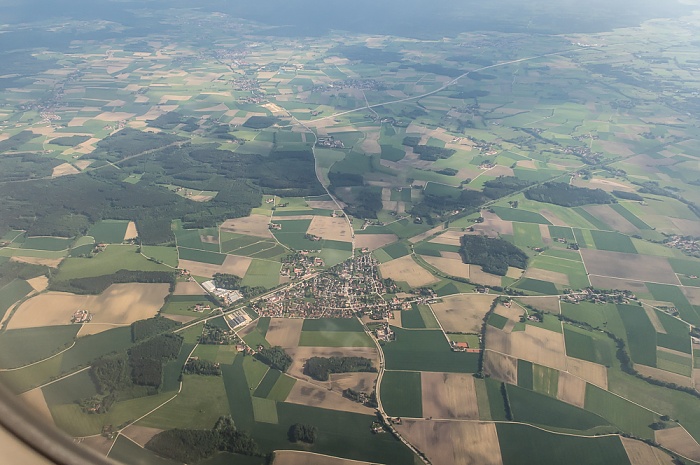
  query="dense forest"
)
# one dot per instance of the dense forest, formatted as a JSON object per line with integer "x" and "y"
{"x": 191, "y": 445}
{"x": 67, "y": 206}
{"x": 195, "y": 366}
{"x": 624, "y": 195}
{"x": 227, "y": 281}
{"x": 320, "y": 368}
{"x": 300, "y": 432}
{"x": 143, "y": 329}
{"x": 110, "y": 373}
{"x": 566, "y": 195}
{"x": 146, "y": 359}
{"x": 276, "y": 357}
{"x": 367, "y": 203}
{"x": 494, "y": 255}
{"x": 469, "y": 200}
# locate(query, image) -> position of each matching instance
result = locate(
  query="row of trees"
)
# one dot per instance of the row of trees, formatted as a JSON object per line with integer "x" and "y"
{"x": 98, "y": 284}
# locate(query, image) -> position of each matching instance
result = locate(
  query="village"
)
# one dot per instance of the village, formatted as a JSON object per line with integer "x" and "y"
{"x": 352, "y": 288}
{"x": 598, "y": 296}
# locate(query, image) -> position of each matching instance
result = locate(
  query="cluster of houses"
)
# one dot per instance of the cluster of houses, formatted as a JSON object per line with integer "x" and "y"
{"x": 463, "y": 347}
{"x": 385, "y": 333}
{"x": 81, "y": 316}
{"x": 687, "y": 244}
{"x": 351, "y": 287}
{"x": 330, "y": 142}
{"x": 598, "y": 296}
{"x": 300, "y": 264}
{"x": 228, "y": 296}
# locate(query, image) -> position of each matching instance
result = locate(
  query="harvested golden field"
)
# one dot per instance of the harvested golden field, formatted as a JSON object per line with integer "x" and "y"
{"x": 592, "y": 372}
{"x": 664, "y": 375}
{"x": 253, "y": 225}
{"x": 512, "y": 313}
{"x": 50, "y": 262}
{"x": 233, "y": 264}
{"x": 680, "y": 441}
{"x": 493, "y": 225}
{"x": 537, "y": 345}
{"x": 305, "y": 393}
{"x": 99, "y": 444}
{"x": 301, "y": 354}
{"x": 327, "y": 227}
{"x": 284, "y": 332}
{"x": 39, "y": 284}
{"x": 500, "y": 366}
{"x": 641, "y": 453}
{"x": 425, "y": 235}
{"x": 547, "y": 275}
{"x": 324, "y": 204}
{"x": 140, "y": 434}
{"x": 406, "y": 269}
{"x": 180, "y": 318}
{"x": 298, "y": 457}
{"x": 450, "y": 266}
{"x": 360, "y": 382}
{"x": 131, "y": 231}
{"x": 571, "y": 389}
{"x": 628, "y": 266}
{"x": 374, "y": 241}
{"x": 36, "y": 401}
{"x": 454, "y": 442}
{"x": 63, "y": 170}
{"x": 449, "y": 237}
{"x": 119, "y": 304}
{"x": 481, "y": 277}
{"x": 693, "y": 294}
{"x": 188, "y": 288}
{"x": 654, "y": 318}
{"x": 463, "y": 313}
{"x": 449, "y": 396}
{"x": 601, "y": 282}
{"x": 612, "y": 218}
{"x": 546, "y": 303}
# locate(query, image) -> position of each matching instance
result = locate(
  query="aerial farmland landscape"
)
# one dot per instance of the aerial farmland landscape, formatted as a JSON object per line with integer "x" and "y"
{"x": 333, "y": 234}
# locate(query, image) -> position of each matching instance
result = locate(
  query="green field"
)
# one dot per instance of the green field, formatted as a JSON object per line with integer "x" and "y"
{"x": 335, "y": 339}
{"x": 668, "y": 293}
{"x": 192, "y": 239}
{"x": 19, "y": 347}
{"x": 613, "y": 241}
{"x": 53, "y": 244}
{"x": 620, "y": 412}
{"x": 587, "y": 345}
{"x": 677, "y": 336}
{"x": 332, "y": 324}
{"x": 396, "y": 250}
{"x": 539, "y": 409}
{"x": 263, "y": 273}
{"x": 401, "y": 394}
{"x": 70, "y": 390}
{"x": 264, "y": 410}
{"x": 515, "y": 214}
{"x": 11, "y": 293}
{"x": 202, "y": 256}
{"x": 525, "y": 377}
{"x": 127, "y": 451}
{"x": 198, "y": 405}
{"x": 527, "y": 235}
{"x": 109, "y": 231}
{"x": 521, "y": 445}
{"x": 674, "y": 363}
{"x": 537, "y": 286}
{"x": 166, "y": 255}
{"x": 641, "y": 335}
{"x": 426, "y": 350}
{"x": 111, "y": 260}
{"x": 497, "y": 321}
{"x": 546, "y": 380}
{"x": 629, "y": 216}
